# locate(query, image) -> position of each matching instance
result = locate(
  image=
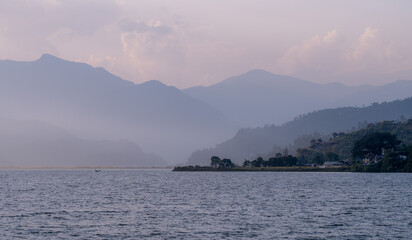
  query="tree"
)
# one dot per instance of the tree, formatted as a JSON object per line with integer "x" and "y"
{"x": 215, "y": 161}
{"x": 285, "y": 152}
{"x": 372, "y": 144}
{"x": 274, "y": 162}
{"x": 290, "y": 161}
{"x": 408, "y": 165}
{"x": 318, "y": 158}
{"x": 335, "y": 134}
{"x": 258, "y": 162}
{"x": 246, "y": 163}
{"x": 332, "y": 157}
{"x": 227, "y": 163}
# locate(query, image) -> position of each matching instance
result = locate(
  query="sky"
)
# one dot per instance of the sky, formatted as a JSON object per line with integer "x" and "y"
{"x": 187, "y": 43}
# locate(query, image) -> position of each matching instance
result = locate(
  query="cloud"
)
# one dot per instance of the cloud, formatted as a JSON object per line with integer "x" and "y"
{"x": 153, "y": 50}
{"x": 323, "y": 57}
{"x": 48, "y": 5}
{"x": 47, "y": 16}
{"x": 375, "y": 52}
{"x": 368, "y": 43}
{"x": 181, "y": 44}
{"x": 156, "y": 27}
{"x": 176, "y": 53}
{"x": 319, "y": 53}
{"x": 106, "y": 61}
{"x": 40, "y": 26}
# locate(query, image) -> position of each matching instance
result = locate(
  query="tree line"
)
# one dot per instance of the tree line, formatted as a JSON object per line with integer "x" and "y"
{"x": 380, "y": 147}
{"x": 278, "y": 161}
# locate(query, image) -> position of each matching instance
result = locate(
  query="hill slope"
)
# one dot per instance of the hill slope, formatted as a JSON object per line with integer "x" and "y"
{"x": 259, "y": 97}
{"x": 36, "y": 144}
{"x": 249, "y": 142}
{"x": 343, "y": 145}
{"x": 92, "y": 103}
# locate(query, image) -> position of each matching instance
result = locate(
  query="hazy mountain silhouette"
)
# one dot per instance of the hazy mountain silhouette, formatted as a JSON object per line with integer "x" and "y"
{"x": 36, "y": 144}
{"x": 92, "y": 103}
{"x": 249, "y": 142}
{"x": 259, "y": 97}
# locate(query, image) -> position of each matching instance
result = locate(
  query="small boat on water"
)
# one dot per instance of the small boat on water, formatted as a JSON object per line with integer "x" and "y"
{"x": 97, "y": 170}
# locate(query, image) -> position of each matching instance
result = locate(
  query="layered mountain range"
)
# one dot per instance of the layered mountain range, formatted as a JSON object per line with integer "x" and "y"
{"x": 93, "y": 105}
{"x": 251, "y": 142}
{"x": 36, "y": 144}
{"x": 258, "y": 97}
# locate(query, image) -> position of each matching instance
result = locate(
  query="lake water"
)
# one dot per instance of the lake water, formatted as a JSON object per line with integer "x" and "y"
{"x": 160, "y": 204}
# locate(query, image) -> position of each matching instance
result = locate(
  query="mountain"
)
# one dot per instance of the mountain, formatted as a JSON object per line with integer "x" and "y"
{"x": 259, "y": 97}
{"x": 36, "y": 144}
{"x": 249, "y": 142}
{"x": 343, "y": 145}
{"x": 95, "y": 104}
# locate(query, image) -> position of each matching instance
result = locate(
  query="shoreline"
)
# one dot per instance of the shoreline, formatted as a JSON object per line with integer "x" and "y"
{"x": 262, "y": 169}
{"x": 81, "y": 168}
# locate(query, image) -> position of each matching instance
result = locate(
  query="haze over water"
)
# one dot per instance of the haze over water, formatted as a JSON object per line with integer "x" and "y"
{"x": 206, "y": 85}
{"x": 160, "y": 204}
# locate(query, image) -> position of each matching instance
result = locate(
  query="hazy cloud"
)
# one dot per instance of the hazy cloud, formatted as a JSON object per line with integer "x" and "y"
{"x": 317, "y": 54}
{"x": 176, "y": 54}
{"x": 375, "y": 52}
{"x": 329, "y": 55}
{"x": 128, "y": 25}
{"x": 47, "y": 16}
{"x": 185, "y": 43}
{"x": 148, "y": 48}
{"x": 367, "y": 43}
{"x": 32, "y": 25}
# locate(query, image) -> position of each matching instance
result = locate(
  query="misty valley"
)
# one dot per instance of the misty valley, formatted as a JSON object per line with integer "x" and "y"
{"x": 133, "y": 119}
{"x": 57, "y": 113}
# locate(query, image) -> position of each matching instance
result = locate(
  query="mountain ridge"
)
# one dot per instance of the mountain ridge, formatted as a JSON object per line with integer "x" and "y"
{"x": 249, "y": 142}
{"x": 95, "y": 104}
{"x": 37, "y": 144}
{"x": 259, "y": 97}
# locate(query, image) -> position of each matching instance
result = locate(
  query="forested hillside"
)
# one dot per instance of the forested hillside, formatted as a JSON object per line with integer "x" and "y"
{"x": 253, "y": 141}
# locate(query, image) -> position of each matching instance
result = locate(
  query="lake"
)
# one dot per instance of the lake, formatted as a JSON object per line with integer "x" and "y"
{"x": 161, "y": 204}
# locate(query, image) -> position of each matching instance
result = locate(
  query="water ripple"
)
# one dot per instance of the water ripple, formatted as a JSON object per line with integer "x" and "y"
{"x": 160, "y": 204}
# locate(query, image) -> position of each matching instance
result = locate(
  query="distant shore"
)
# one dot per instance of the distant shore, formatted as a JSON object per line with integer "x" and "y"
{"x": 262, "y": 169}
{"x": 79, "y": 168}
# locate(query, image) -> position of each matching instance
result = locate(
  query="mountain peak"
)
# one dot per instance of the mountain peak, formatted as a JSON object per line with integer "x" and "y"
{"x": 47, "y": 56}
{"x": 259, "y": 76}
{"x": 153, "y": 83}
{"x": 258, "y": 71}
{"x": 50, "y": 59}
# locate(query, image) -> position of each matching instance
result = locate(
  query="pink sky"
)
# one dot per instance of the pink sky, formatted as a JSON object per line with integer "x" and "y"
{"x": 188, "y": 43}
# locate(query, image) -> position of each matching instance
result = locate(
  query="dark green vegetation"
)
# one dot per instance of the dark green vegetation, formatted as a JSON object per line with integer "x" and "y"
{"x": 277, "y": 161}
{"x": 251, "y": 142}
{"x": 218, "y": 163}
{"x": 260, "y": 169}
{"x": 372, "y": 144}
{"x": 381, "y": 147}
